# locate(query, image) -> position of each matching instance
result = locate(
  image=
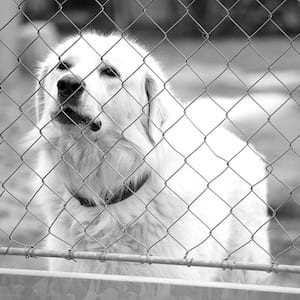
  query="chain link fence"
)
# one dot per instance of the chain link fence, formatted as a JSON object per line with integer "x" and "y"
{"x": 252, "y": 81}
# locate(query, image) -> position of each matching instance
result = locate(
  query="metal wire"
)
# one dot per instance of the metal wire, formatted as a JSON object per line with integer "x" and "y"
{"x": 12, "y": 244}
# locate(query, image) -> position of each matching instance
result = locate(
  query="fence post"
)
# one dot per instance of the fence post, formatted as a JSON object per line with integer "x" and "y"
{"x": 9, "y": 24}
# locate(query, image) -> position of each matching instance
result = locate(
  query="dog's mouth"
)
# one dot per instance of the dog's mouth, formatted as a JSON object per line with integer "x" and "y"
{"x": 68, "y": 116}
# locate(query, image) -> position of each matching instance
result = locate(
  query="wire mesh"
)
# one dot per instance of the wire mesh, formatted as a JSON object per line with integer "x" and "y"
{"x": 24, "y": 229}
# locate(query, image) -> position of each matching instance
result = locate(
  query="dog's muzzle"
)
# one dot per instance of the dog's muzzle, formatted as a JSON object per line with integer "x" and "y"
{"x": 69, "y": 92}
{"x": 68, "y": 116}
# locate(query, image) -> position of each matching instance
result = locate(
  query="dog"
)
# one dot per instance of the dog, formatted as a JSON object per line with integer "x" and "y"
{"x": 125, "y": 167}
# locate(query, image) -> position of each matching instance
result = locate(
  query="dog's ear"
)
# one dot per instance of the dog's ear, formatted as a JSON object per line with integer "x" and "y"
{"x": 157, "y": 113}
{"x": 40, "y": 91}
{"x": 164, "y": 109}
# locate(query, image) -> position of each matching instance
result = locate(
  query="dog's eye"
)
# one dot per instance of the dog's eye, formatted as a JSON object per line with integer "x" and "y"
{"x": 110, "y": 72}
{"x": 63, "y": 65}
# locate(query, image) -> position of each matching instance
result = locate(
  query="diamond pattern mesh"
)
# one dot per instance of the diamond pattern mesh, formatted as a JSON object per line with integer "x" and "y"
{"x": 257, "y": 77}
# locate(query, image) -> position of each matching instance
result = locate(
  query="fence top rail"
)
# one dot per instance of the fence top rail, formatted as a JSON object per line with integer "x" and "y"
{"x": 147, "y": 259}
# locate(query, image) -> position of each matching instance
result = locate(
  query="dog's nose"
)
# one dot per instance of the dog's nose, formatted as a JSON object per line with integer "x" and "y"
{"x": 69, "y": 89}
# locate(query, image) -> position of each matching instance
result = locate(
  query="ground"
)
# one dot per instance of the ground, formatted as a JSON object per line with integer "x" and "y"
{"x": 256, "y": 83}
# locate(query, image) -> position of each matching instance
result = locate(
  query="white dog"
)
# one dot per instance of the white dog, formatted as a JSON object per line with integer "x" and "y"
{"x": 126, "y": 168}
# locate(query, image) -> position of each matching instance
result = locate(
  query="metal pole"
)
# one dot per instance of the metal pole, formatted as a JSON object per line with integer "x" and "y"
{"x": 147, "y": 259}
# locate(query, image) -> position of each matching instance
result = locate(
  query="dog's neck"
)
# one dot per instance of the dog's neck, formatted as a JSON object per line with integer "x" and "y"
{"x": 127, "y": 190}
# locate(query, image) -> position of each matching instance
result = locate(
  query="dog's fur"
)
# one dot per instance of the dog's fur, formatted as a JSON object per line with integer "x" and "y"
{"x": 206, "y": 192}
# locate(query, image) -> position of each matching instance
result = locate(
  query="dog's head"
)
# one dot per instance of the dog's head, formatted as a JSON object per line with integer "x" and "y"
{"x": 101, "y": 86}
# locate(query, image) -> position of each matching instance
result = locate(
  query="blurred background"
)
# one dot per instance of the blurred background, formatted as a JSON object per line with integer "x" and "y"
{"x": 241, "y": 56}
